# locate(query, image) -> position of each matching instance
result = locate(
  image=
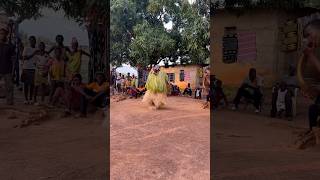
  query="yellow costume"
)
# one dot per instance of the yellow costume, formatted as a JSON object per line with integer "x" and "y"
{"x": 157, "y": 87}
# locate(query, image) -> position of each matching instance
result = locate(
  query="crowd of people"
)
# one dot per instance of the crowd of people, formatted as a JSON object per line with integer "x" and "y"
{"x": 126, "y": 84}
{"x": 54, "y": 74}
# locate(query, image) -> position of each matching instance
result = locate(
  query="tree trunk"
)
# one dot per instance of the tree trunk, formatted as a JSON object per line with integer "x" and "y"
{"x": 99, "y": 45}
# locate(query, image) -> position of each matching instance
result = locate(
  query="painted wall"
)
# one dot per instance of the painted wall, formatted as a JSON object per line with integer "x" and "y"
{"x": 191, "y": 75}
{"x": 266, "y": 26}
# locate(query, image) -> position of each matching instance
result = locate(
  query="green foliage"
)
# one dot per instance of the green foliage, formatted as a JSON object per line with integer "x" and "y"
{"x": 271, "y": 4}
{"x": 24, "y": 9}
{"x": 151, "y": 45}
{"x": 144, "y": 40}
{"x": 76, "y": 9}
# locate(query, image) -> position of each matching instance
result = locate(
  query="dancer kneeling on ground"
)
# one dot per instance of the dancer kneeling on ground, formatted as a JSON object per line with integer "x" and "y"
{"x": 250, "y": 89}
{"x": 157, "y": 87}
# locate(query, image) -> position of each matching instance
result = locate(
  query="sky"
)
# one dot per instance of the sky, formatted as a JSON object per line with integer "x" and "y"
{"x": 53, "y": 23}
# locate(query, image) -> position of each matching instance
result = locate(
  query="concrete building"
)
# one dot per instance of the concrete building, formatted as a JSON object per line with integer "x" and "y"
{"x": 263, "y": 44}
{"x": 181, "y": 75}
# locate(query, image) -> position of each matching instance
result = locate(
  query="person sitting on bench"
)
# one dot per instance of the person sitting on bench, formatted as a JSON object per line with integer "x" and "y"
{"x": 175, "y": 90}
{"x": 187, "y": 90}
{"x": 250, "y": 89}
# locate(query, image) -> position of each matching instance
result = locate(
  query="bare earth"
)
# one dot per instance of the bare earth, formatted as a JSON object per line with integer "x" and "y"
{"x": 172, "y": 143}
{"x": 255, "y": 147}
{"x": 57, "y": 148}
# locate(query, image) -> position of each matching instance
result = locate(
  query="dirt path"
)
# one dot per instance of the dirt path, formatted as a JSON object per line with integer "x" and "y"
{"x": 249, "y": 146}
{"x": 172, "y": 143}
{"x": 57, "y": 148}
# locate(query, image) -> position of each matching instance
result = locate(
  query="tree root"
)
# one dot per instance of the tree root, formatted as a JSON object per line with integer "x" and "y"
{"x": 308, "y": 139}
{"x": 34, "y": 118}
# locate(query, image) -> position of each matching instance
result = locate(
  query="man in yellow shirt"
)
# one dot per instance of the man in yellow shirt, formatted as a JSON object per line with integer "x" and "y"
{"x": 95, "y": 93}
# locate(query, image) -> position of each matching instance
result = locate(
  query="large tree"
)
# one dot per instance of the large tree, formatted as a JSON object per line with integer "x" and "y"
{"x": 186, "y": 41}
{"x": 274, "y": 4}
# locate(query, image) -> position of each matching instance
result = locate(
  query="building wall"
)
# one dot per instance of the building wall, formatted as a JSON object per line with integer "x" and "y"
{"x": 266, "y": 26}
{"x": 192, "y": 70}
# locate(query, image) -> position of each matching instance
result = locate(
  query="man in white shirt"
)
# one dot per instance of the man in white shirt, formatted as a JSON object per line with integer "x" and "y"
{"x": 250, "y": 89}
{"x": 28, "y": 71}
{"x": 118, "y": 83}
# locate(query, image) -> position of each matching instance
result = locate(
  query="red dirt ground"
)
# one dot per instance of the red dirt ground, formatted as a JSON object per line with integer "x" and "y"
{"x": 58, "y": 148}
{"x": 255, "y": 147}
{"x": 172, "y": 143}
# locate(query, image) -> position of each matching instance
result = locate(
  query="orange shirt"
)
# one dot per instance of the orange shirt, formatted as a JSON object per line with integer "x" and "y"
{"x": 98, "y": 88}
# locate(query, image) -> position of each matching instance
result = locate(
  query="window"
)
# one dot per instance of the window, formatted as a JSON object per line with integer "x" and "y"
{"x": 171, "y": 77}
{"x": 230, "y": 45}
{"x": 181, "y": 75}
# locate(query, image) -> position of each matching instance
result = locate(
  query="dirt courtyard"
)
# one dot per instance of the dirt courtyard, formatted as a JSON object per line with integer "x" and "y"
{"x": 172, "y": 143}
{"x": 55, "y": 149}
{"x": 249, "y": 146}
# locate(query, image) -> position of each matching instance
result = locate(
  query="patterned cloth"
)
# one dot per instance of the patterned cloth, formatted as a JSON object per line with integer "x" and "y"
{"x": 247, "y": 48}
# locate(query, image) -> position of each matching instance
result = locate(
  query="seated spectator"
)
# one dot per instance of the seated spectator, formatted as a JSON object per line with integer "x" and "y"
{"x": 188, "y": 90}
{"x": 142, "y": 89}
{"x": 218, "y": 94}
{"x": 250, "y": 89}
{"x": 133, "y": 92}
{"x": 175, "y": 91}
{"x": 95, "y": 93}
{"x": 197, "y": 94}
{"x": 71, "y": 97}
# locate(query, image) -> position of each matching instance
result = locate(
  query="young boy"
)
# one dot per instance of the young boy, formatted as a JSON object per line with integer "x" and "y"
{"x": 56, "y": 72}
{"x": 218, "y": 95}
{"x": 64, "y": 49}
{"x": 41, "y": 74}
{"x": 74, "y": 59}
{"x": 197, "y": 94}
{"x": 72, "y": 97}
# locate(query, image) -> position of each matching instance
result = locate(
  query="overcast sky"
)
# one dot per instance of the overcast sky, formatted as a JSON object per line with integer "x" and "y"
{"x": 53, "y": 23}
